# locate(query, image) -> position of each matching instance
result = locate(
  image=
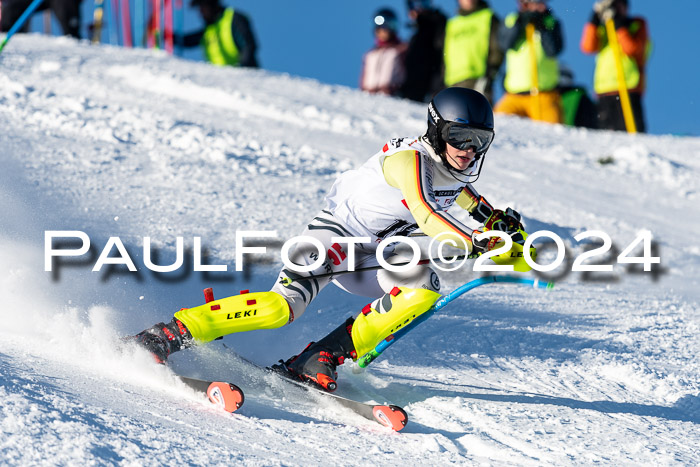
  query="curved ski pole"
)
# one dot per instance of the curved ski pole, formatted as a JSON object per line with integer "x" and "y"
{"x": 442, "y": 302}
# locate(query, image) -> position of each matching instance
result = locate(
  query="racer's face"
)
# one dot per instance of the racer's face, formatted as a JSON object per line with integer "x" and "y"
{"x": 459, "y": 159}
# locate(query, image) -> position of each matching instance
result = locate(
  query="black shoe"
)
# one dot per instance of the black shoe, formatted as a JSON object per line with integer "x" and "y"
{"x": 164, "y": 339}
{"x": 317, "y": 363}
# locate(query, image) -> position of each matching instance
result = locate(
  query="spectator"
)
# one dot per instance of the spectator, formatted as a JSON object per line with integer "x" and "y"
{"x": 541, "y": 102}
{"x": 383, "y": 67}
{"x": 577, "y": 107}
{"x": 424, "y": 52}
{"x": 472, "y": 53}
{"x": 228, "y": 37}
{"x": 635, "y": 47}
{"x": 67, "y": 13}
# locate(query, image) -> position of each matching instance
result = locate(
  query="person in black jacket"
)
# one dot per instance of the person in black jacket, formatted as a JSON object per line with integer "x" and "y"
{"x": 227, "y": 38}
{"x": 67, "y": 13}
{"x": 423, "y": 59}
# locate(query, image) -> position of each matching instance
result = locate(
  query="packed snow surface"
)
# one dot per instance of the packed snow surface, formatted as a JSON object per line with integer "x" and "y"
{"x": 133, "y": 144}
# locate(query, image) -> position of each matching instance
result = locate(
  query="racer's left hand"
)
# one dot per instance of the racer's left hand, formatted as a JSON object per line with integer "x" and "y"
{"x": 505, "y": 221}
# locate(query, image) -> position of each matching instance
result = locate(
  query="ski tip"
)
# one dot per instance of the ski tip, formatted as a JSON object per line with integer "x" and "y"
{"x": 390, "y": 416}
{"x": 226, "y": 395}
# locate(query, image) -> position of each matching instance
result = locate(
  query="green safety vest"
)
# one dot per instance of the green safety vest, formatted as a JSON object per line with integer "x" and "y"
{"x": 219, "y": 47}
{"x": 518, "y": 68}
{"x": 605, "y": 76}
{"x": 467, "y": 46}
{"x": 570, "y": 101}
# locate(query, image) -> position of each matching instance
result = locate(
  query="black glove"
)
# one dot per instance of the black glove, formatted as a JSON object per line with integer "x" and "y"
{"x": 489, "y": 243}
{"x": 595, "y": 19}
{"x": 479, "y": 246}
{"x": 537, "y": 19}
{"x": 505, "y": 221}
{"x": 525, "y": 17}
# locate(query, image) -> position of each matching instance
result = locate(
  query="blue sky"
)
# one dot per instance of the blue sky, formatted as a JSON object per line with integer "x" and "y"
{"x": 325, "y": 40}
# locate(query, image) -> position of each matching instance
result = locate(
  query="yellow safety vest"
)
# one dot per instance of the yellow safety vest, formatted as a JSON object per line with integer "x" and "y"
{"x": 219, "y": 47}
{"x": 467, "y": 46}
{"x": 518, "y": 66}
{"x": 605, "y": 77}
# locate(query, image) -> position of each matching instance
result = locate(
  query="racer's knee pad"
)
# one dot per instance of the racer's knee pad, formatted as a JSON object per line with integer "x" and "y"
{"x": 418, "y": 277}
{"x": 245, "y": 312}
{"x": 388, "y": 314}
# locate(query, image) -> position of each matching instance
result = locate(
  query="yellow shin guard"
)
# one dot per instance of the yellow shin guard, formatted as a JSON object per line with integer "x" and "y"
{"x": 388, "y": 314}
{"x": 245, "y": 312}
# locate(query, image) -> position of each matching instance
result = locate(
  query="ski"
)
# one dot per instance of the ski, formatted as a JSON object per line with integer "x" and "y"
{"x": 391, "y": 416}
{"x": 228, "y": 396}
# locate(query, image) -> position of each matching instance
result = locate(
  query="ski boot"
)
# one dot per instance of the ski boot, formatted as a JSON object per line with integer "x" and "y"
{"x": 164, "y": 339}
{"x": 316, "y": 364}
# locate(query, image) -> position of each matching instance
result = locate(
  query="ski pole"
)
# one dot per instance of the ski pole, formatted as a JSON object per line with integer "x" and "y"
{"x": 290, "y": 280}
{"x": 441, "y": 303}
{"x": 20, "y": 22}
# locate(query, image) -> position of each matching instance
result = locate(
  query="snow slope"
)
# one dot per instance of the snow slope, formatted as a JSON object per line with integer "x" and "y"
{"x": 132, "y": 144}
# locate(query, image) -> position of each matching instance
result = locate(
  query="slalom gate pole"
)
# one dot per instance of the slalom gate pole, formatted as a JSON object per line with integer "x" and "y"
{"x": 156, "y": 15}
{"x": 20, "y": 22}
{"x": 126, "y": 24}
{"x": 534, "y": 75}
{"x": 179, "y": 25}
{"x": 139, "y": 29}
{"x": 109, "y": 21}
{"x": 621, "y": 84}
{"x": 369, "y": 357}
{"x": 168, "y": 17}
{"x": 114, "y": 26}
{"x": 47, "y": 22}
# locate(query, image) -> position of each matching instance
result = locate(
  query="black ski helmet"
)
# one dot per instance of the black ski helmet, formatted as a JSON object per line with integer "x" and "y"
{"x": 417, "y": 4}
{"x": 387, "y": 19}
{"x": 458, "y": 106}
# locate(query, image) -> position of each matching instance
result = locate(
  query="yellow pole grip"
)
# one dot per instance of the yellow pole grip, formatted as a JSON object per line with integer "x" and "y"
{"x": 534, "y": 81}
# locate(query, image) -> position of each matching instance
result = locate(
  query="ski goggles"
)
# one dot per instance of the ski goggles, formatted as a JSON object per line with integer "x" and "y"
{"x": 464, "y": 137}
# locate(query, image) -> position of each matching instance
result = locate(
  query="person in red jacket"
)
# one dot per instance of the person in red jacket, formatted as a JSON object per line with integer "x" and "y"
{"x": 633, "y": 37}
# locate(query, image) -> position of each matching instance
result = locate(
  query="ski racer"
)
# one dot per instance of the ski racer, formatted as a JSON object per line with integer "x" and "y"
{"x": 406, "y": 186}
